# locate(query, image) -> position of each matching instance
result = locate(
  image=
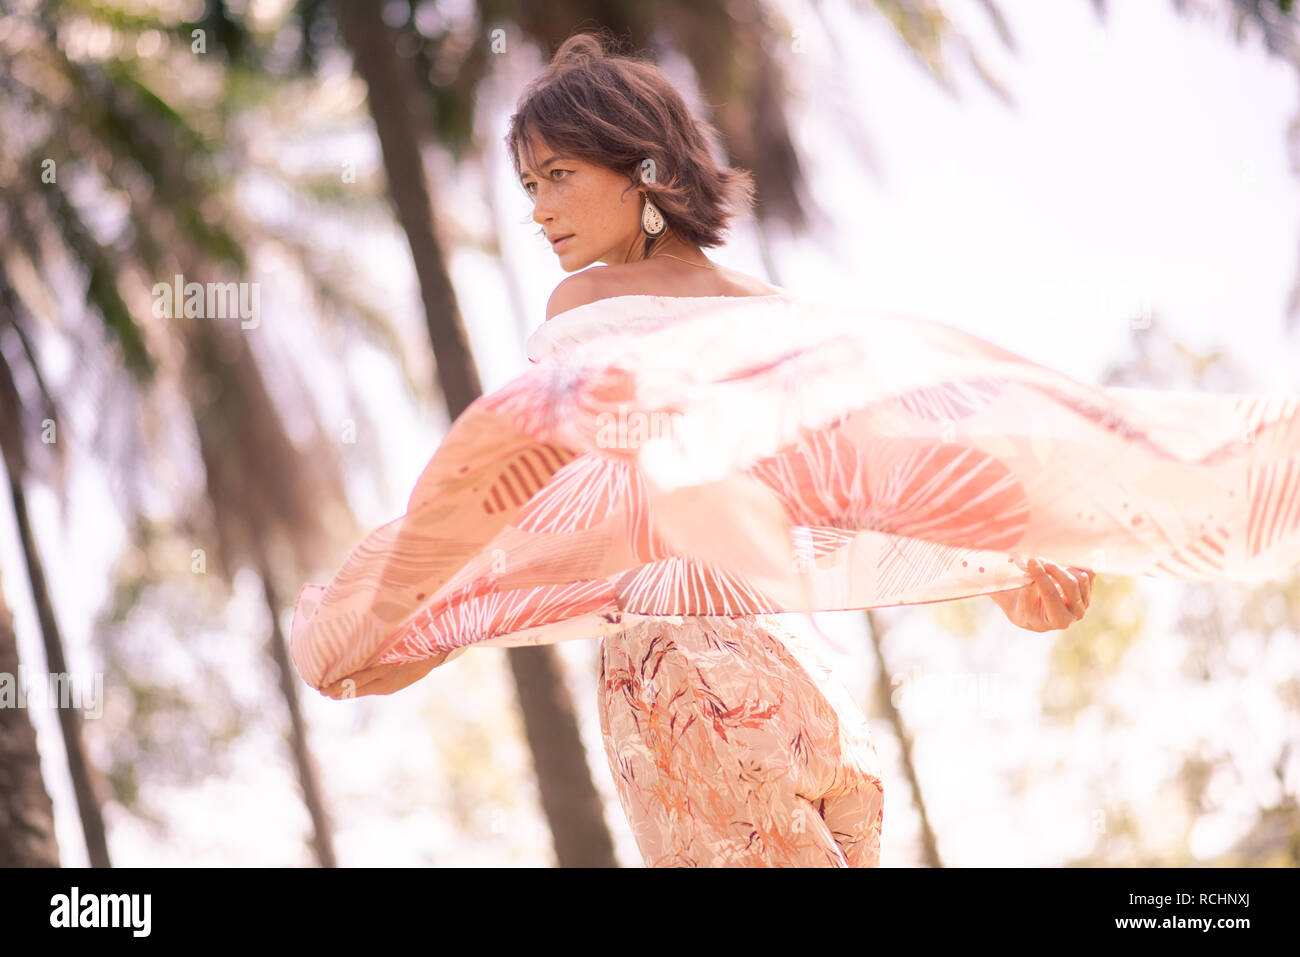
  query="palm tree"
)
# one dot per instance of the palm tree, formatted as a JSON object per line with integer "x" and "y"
{"x": 26, "y": 813}
{"x": 16, "y": 458}
{"x": 121, "y": 138}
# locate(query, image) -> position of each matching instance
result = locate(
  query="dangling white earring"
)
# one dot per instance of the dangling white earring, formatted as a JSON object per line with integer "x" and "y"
{"x": 652, "y": 221}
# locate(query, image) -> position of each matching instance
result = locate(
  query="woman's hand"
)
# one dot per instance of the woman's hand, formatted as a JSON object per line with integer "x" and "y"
{"x": 1056, "y": 598}
{"x": 383, "y": 679}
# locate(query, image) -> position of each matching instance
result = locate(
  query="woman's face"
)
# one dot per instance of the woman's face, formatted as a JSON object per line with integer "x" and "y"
{"x": 593, "y": 205}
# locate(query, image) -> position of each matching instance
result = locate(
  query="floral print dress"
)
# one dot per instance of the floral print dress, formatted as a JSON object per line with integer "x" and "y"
{"x": 732, "y": 745}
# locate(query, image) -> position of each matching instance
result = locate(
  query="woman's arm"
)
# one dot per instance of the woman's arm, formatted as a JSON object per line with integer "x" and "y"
{"x": 383, "y": 679}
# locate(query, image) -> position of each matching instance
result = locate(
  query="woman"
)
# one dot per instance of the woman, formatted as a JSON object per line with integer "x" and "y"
{"x": 729, "y": 741}
{"x": 593, "y": 203}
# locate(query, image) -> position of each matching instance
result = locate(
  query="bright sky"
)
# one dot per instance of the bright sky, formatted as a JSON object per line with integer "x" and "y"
{"x": 1144, "y": 164}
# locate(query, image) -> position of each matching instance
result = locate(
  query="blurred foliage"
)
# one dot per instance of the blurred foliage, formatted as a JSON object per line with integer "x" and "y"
{"x": 173, "y": 711}
{"x": 961, "y": 617}
{"x": 1209, "y": 617}
{"x": 1088, "y": 654}
{"x": 1088, "y": 660}
{"x": 119, "y": 168}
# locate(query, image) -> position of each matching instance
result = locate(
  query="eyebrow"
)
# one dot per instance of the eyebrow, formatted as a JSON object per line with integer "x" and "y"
{"x": 545, "y": 163}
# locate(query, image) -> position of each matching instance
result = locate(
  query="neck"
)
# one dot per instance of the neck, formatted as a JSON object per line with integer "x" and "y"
{"x": 665, "y": 246}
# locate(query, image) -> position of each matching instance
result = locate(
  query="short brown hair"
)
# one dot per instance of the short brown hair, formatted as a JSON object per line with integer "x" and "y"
{"x": 616, "y": 110}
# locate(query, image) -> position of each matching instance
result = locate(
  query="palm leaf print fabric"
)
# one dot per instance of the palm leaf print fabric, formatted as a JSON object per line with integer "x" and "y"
{"x": 673, "y": 457}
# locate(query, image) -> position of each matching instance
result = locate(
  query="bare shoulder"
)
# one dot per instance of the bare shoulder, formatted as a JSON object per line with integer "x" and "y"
{"x": 603, "y": 282}
{"x": 577, "y": 290}
{"x": 743, "y": 284}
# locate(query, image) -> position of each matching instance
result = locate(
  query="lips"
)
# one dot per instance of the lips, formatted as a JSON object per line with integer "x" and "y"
{"x": 560, "y": 241}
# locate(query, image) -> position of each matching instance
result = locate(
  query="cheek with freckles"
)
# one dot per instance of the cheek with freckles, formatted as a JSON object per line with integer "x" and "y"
{"x": 600, "y": 222}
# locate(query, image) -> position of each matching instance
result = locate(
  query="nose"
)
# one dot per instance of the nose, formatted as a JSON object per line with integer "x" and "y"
{"x": 541, "y": 207}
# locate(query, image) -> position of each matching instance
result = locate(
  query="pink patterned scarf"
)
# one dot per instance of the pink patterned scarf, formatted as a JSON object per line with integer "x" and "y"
{"x": 736, "y": 456}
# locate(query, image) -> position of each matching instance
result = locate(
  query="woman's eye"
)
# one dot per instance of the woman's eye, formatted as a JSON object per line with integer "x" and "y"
{"x": 531, "y": 187}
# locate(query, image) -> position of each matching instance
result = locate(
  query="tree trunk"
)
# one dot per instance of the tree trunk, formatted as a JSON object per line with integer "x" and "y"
{"x": 391, "y": 93}
{"x": 26, "y": 812}
{"x": 88, "y": 801}
{"x": 568, "y": 796}
{"x": 308, "y": 779}
{"x": 15, "y": 456}
{"x": 929, "y": 846}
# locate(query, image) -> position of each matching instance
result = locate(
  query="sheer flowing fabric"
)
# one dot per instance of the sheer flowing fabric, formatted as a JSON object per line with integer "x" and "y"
{"x": 686, "y": 456}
